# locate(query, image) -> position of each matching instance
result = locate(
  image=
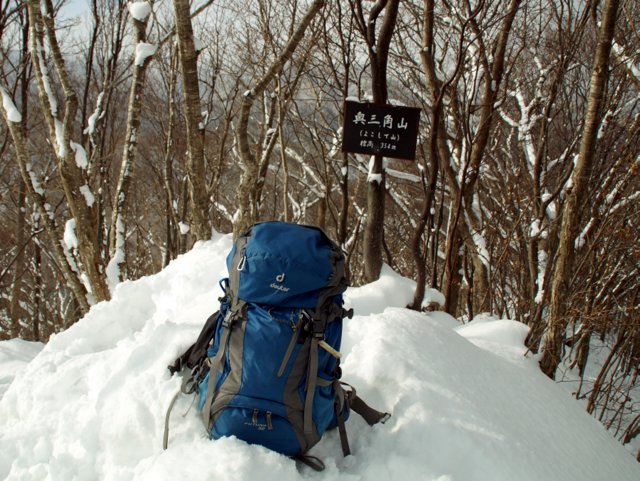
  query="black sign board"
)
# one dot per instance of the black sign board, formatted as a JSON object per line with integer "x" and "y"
{"x": 380, "y": 130}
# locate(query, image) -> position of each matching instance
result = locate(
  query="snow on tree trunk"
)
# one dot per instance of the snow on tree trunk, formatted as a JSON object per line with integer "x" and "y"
{"x": 61, "y": 131}
{"x": 201, "y": 227}
{"x": 117, "y": 229}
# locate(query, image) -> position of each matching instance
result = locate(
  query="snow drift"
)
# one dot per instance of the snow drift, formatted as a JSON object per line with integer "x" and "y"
{"x": 466, "y": 404}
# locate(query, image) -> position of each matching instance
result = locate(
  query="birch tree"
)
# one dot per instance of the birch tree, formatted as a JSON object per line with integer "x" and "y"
{"x": 70, "y": 155}
{"x": 195, "y": 129}
{"x": 139, "y": 12}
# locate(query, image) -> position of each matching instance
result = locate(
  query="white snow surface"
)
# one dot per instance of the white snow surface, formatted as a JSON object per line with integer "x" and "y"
{"x": 466, "y": 404}
{"x": 15, "y": 354}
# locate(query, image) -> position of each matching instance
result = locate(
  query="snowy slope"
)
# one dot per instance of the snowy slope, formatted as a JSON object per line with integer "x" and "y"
{"x": 15, "y": 354}
{"x": 466, "y": 404}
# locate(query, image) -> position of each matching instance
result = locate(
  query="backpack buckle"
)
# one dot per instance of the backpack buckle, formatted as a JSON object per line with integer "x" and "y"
{"x": 317, "y": 327}
{"x": 228, "y": 320}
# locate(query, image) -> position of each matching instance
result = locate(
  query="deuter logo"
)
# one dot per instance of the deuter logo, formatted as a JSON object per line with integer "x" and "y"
{"x": 279, "y": 287}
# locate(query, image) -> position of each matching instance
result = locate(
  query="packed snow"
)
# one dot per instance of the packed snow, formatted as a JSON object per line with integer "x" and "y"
{"x": 466, "y": 403}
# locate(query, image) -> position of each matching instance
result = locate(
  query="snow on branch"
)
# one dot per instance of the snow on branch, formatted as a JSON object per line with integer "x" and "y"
{"x": 630, "y": 65}
{"x": 35, "y": 182}
{"x": 13, "y": 115}
{"x": 371, "y": 176}
{"x": 46, "y": 82}
{"x": 144, "y": 50}
{"x": 403, "y": 175}
{"x": 95, "y": 116}
{"x": 118, "y": 257}
{"x": 139, "y": 10}
{"x": 81, "y": 155}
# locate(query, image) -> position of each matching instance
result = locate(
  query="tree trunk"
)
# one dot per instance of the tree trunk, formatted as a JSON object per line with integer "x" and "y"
{"x": 376, "y": 189}
{"x": 427, "y": 60}
{"x": 576, "y": 197}
{"x": 118, "y": 226}
{"x": 201, "y": 226}
{"x": 173, "y": 232}
{"x": 15, "y": 311}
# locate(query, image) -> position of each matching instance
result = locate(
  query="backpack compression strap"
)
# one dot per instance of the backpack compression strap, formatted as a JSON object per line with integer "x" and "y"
{"x": 319, "y": 320}
{"x": 236, "y": 310}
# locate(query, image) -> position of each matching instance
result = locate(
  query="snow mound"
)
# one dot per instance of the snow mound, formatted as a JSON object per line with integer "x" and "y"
{"x": 15, "y": 354}
{"x": 390, "y": 290}
{"x": 91, "y": 405}
{"x": 502, "y": 337}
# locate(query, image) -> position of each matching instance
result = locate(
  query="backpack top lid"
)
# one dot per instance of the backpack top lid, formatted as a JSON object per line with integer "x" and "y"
{"x": 288, "y": 265}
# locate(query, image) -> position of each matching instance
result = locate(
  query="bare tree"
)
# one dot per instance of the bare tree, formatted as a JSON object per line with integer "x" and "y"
{"x": 36, "y": 194}
{"x": 247, "y": 212}
{"x": 79, "y": 197}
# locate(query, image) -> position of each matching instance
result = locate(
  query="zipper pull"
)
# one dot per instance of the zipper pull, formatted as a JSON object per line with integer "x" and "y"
{"x": 242, "y": 262}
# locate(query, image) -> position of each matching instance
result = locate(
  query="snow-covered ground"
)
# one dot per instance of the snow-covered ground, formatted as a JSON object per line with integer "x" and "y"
{"x": 14, "y": 356}
{"x": 466, "y": 404}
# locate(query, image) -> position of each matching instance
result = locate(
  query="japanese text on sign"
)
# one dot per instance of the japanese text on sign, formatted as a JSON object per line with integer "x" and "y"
{"x": 380, "y": 130}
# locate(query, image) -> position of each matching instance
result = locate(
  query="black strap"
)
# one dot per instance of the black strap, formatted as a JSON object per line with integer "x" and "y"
{"x": 314, "y": 463}
{"x": 342, "y": 430}
{"x": 370, "y": 415}
{"x": 197, "y": 352}
{"x": 180, "y": 362}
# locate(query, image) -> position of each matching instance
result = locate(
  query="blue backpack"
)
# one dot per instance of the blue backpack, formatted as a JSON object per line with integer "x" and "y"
{"x": 272, "y": 350}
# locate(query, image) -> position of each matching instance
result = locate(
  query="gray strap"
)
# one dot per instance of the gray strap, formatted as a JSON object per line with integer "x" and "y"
{"x": 290, "y": 348}
{"x": 324, "y": 382}
{"x": 216, "y": 365}
{"x": 237, "y": 306}
{"x": 188, "y": 385}
{"x": 312, "y": 381}
{"x": 165, "y": 438}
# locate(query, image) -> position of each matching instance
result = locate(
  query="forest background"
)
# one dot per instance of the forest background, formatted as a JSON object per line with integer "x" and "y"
{"x": 132, "y": 130}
